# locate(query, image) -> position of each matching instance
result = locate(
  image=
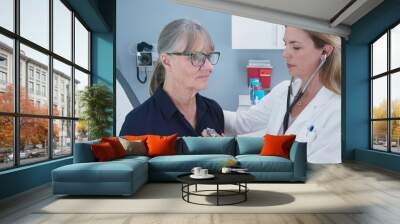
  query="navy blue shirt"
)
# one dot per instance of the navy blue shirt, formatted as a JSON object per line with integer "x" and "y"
{"x": 158, "y": 115}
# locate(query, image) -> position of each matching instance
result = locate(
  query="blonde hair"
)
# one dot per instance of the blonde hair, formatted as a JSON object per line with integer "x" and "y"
{"x": 172, "y": 36}
{"x": 331, "y": 71}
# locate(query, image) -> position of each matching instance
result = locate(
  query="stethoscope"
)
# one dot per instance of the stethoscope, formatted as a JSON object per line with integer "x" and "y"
{"x": 300, "y": 93}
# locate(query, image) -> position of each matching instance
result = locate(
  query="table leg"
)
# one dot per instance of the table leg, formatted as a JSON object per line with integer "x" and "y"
{"x": 217, "y": 194}
{"x": 245, "y": 191}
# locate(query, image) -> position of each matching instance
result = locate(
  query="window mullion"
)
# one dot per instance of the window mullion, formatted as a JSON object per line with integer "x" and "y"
{"x": 389, "y": 77}
{"x": 16, "y": 83}
{"x": 73, "y": 82}
{"x": 50, "y": 81}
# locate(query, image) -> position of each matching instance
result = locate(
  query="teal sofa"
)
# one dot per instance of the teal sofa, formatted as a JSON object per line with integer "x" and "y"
{"x": 125, "y": 176}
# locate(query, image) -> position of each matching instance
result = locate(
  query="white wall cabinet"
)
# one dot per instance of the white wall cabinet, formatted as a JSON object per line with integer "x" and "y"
{"x": 255, "y": 34}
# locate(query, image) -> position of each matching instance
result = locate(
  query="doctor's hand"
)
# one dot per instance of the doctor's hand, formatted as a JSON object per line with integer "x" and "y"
{"x": 208, "y": 133}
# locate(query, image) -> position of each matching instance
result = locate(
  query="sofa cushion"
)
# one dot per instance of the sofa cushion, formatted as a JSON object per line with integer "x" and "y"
{"x": 129, "y": 159}
{"x": 207, "y": 145}
{"x": 257, "y": 163}
{"x": 97, "y": 172}
{"x": 249, "y": 145}
{"x": 185, "y": 163}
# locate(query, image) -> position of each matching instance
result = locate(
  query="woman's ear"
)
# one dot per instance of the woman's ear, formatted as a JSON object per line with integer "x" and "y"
{"x": 327, "y": 50}
{"x": 165, "y": 60}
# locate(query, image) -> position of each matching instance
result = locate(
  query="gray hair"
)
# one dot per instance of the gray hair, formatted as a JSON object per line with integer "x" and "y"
{"x": 175, "y": 34}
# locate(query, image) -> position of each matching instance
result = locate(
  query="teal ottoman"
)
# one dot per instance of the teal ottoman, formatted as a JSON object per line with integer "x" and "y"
{"x": 118, "y": 177}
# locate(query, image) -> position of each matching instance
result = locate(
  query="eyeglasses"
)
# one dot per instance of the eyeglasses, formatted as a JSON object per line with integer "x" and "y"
{"x": 199, "y": 58}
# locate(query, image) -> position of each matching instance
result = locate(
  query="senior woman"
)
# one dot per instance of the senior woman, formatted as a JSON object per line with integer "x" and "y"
{"x": 185, "y": 65}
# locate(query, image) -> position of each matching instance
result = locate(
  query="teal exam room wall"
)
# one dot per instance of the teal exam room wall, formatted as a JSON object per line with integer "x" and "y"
{"x": 356, "y": 113}
{"x": 99, "y": 15}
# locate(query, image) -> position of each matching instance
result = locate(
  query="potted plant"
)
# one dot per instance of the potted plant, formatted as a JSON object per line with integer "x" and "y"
{"x": 96, "y": 102}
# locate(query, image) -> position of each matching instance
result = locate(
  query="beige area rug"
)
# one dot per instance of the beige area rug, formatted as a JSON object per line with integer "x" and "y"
{"x": 166, "y": 198}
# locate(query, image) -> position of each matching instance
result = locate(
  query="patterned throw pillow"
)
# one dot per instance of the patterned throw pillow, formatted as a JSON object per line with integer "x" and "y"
{"x": 135, "y": 147}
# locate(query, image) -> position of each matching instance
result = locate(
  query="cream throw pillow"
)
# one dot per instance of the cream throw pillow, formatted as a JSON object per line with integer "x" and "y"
{"x": 136, "y": 148}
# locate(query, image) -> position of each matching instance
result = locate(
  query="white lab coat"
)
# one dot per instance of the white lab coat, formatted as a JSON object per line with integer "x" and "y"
{"x": 323, "y": 113}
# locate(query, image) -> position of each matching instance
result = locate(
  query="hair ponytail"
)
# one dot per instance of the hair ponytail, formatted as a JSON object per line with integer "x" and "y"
{"x": 157, "y": 78}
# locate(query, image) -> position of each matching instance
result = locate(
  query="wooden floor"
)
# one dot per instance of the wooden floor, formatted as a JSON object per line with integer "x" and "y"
{"x": 377, "y": 188}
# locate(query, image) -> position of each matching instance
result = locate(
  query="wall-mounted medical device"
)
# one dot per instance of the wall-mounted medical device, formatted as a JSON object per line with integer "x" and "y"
{"x": 144, "y": 61}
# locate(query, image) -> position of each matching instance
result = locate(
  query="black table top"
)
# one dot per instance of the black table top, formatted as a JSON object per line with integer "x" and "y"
{"x": 220, "y": 178}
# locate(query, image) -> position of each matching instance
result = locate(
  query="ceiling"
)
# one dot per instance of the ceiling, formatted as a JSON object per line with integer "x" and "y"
{"x": 329, "y": 16}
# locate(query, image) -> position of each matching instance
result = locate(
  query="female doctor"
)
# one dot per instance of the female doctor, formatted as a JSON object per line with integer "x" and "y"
{"x": 309, "y": 105}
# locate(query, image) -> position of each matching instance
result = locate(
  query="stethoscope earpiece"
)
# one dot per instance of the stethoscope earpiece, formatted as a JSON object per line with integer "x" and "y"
{"x": 323, "y": 57}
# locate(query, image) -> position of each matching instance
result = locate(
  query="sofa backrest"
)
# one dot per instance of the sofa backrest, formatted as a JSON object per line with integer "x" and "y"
{"x": 249, "y": 145}
{"x": 206, "y": 145}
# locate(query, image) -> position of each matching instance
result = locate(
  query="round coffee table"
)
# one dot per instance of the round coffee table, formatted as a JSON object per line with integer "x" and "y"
{"x": 238, "y": 179}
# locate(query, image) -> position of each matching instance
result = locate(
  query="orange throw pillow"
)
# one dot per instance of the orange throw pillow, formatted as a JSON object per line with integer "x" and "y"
{"x": 161, "y": 145}
{"x": 116, "y": 145}
{"x": 103, "y": 151}
{"x": 277, "y": 145}
{"x": 135, "y": 137}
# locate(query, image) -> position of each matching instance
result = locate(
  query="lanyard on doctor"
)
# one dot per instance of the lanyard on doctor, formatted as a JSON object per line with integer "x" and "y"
{"x": 300, "y": 93}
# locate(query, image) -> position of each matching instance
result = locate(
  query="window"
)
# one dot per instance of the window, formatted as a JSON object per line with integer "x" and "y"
{"x": 385, "y": 94}
{"x": 81, "y": 45}
{"x": 62, "y": 30}
{"x": 43, "y": 77}
{"x": 54, "y": 125}
{"x": 30, "y": 72}
{"x": 3, "y": 72}
{"x": 37, "y": 75}
{"x": 38, "y": 89}
{"x": 30, "y": 87}
{"x": 35, "y": 22}
{"x": 3, "y": 77}
{"x": 43, "y": 90}
{"x": 3, "y": 61}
